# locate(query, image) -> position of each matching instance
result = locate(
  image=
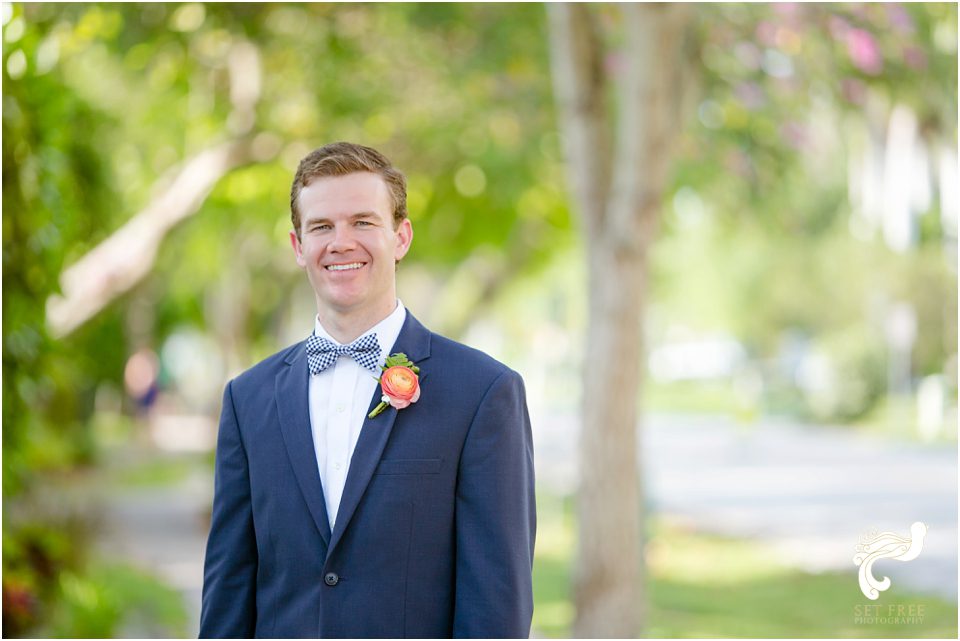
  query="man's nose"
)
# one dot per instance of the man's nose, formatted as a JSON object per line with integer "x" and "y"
{"x": 343, "y": 238}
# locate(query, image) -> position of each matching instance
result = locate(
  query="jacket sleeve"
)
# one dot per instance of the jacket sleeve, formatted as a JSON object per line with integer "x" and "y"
{"x": 230, "y": 570}
{"x": 496, "y": 517}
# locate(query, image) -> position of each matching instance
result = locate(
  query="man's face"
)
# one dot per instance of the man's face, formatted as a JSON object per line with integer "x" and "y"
{"x": 348, "y": 245}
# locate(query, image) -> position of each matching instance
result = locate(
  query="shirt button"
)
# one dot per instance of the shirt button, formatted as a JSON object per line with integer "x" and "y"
{"x": 331, "y": 579}
{"x": 340, "y": 408}
{"x": 336, "y": 466}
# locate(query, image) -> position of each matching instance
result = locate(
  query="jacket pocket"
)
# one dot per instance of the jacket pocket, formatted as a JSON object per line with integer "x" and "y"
{"x": 409, "y": 466}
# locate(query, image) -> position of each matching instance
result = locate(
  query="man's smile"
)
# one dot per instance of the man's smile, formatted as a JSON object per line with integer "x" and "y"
{"x": 344, "y": 267}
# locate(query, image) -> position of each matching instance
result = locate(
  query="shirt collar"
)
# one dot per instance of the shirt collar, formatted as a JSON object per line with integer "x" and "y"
{"x": 386, "y": 330}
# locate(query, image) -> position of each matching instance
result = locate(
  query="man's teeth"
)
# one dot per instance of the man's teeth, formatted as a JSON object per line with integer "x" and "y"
{"x": 340, "y": 268}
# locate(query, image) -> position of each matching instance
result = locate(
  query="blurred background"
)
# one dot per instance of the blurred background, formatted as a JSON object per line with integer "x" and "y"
{"x": 800, "y": 363}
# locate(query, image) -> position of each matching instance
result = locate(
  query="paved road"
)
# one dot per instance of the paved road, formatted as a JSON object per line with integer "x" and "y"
{"x": 809, "y": 491}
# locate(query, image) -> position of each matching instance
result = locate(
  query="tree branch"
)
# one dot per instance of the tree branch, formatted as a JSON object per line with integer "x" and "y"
{"x": 125, "y": 257}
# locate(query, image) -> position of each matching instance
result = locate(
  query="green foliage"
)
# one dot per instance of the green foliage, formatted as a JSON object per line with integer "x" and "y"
{"x": 50, "y": 172}
{"x": 115, "y": 600}
{"x": 399, "y": 360}
{"x": 35, "y": 554}
{"x": 858, "y": 380}
{"x": 51, "y": 588}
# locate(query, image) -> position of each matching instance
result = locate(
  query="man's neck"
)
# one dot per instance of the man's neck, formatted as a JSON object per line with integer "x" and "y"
{"x": 347, "y": 327}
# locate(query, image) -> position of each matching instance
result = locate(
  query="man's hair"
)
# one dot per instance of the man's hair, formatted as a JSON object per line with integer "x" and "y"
{"x": 340, "y": 159}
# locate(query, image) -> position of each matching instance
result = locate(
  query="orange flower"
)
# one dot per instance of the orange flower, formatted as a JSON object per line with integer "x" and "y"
{"x": 400, "y": 385}
{"x": 399, "y": 382}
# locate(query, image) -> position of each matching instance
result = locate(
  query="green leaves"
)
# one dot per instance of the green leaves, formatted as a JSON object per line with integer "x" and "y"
{"x": 400, "y": 360}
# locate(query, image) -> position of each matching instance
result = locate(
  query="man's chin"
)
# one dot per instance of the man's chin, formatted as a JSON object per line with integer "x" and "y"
{"x": 343, "y": 302}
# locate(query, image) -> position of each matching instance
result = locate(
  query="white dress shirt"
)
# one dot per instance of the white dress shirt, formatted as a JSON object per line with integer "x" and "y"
{"x": 339, "y": 397}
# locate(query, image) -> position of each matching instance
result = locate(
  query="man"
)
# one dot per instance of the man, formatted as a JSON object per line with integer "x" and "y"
{"x": 327, "y": 522}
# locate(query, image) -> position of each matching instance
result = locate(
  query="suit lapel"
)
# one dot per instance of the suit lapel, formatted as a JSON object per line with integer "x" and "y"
{"x": 292, "y": 394}
{"x": 414, "y": 341}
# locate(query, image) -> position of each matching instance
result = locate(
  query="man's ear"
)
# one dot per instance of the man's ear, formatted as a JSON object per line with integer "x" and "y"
{"x": 297, "y": 248}
{"x": 404, "y": 238}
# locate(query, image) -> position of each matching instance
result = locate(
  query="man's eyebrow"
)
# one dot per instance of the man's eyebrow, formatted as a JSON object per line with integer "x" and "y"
{"x": 356, "y": 216}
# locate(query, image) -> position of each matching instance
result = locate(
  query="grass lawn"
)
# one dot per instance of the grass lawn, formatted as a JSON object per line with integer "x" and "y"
{"x": 703, "y": 585}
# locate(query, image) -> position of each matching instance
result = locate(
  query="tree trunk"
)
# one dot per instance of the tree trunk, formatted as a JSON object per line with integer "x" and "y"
{"x": 618, "y": 195}
{"x": 608, "y": 576}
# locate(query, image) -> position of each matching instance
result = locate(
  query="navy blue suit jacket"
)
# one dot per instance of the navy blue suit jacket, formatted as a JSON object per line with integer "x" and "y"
{"x": 435, "y": 531}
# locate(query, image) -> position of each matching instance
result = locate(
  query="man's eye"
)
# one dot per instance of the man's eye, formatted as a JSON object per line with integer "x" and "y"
{"x": 320, "y": 227}
{"x": 363, "y": 222}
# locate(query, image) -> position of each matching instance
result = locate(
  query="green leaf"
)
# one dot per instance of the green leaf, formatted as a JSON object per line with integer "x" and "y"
{"x": 398, "y": 360}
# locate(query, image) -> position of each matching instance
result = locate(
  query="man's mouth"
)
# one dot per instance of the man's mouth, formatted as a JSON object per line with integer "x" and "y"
{"x": 344, "y": 267}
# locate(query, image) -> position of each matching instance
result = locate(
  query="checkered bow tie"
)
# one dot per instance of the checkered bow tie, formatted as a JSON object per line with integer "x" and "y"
{"x": 322, "y": 353}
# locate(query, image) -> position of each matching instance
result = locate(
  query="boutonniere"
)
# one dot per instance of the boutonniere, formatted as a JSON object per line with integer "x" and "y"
{"x": 399, "y": 383}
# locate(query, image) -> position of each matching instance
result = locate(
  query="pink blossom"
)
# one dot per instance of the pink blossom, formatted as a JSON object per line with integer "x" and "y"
{"x": 864, "y": 52}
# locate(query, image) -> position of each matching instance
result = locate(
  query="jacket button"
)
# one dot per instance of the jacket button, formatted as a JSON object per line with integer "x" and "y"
{"x": 331, "y": 579}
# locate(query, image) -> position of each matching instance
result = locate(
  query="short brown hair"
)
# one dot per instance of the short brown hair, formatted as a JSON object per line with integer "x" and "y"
{"x": 340, "y": 159}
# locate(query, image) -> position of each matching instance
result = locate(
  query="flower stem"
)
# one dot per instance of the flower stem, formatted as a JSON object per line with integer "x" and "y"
{"x": 379, "y": 408}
